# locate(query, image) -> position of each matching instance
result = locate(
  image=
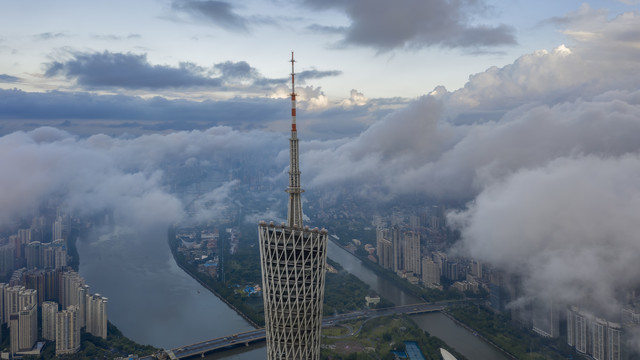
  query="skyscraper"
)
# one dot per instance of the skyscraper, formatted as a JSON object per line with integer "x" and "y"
{"x": 293, "y": 261}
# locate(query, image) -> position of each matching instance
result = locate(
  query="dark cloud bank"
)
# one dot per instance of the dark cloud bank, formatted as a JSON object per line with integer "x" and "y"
{"x": 107, "y": 70}
{"x": 387, "y": 25}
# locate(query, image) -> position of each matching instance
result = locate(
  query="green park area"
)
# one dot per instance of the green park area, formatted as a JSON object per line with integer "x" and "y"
{"x": 378, "y": 338}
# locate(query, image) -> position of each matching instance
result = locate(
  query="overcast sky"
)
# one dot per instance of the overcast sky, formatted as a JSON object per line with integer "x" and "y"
{"x": 380, "y": 48}
{"x": 528, "y": 112}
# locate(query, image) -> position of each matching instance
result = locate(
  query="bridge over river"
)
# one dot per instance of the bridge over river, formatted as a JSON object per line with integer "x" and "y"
{"x": 249, "y": 337}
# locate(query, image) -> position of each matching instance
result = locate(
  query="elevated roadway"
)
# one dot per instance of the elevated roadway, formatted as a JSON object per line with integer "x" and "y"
{"x": 253, "y": 336}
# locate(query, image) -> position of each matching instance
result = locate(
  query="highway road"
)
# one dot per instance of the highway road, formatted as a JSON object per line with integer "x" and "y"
{"x": 249, "y": 337}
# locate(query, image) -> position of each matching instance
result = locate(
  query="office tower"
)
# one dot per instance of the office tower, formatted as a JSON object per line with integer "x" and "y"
{"x": 67, "y": 331}
{"x": 431, "y": 272}
{"x": 49, "y": 311}
{"x": 96, "y": 315}
{"x": 411, "y": 250}
{"x": 293, "y": 262}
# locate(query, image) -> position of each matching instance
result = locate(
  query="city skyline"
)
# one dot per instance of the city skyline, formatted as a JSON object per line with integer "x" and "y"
{"x": 532, "y": 145}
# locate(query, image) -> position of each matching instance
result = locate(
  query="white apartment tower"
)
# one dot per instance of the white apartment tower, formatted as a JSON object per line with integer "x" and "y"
{"x": 67, "y": 331}
{"x": 293, "y": 262}
{"x": 49, "y": 311}
{"x": 24, "y": 322}
{"x": 96, "y": 315}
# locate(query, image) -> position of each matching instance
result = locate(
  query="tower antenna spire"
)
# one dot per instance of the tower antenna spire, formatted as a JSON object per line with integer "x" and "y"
{"x": 294, "y": 211}
{"x": 293, "y": 259}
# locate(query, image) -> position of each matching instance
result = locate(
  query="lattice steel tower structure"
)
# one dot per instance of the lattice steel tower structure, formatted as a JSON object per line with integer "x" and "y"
{"x": 293, "y": 260}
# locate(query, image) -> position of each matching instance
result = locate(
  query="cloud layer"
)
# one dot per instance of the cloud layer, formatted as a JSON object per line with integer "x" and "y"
{"x": 543, "y": 150}
{"x": 388, "y": 25}
{"x": 129, "y": 177}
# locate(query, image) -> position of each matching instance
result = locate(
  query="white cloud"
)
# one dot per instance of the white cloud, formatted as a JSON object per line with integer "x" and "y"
{"x": 355, "y": 99}
{"x": 567, "y": 228}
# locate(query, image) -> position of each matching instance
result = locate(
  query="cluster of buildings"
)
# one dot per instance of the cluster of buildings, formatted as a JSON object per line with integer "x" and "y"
{"x": 613, "y": 336}
{"x": 593, "y": 336}
{"x": 413, "y": 250}
{"x": 200, "y": 247}
{"x": 41, "y": 289}
{"x": 413, "y": 246}
{"x": 64, "y": 302}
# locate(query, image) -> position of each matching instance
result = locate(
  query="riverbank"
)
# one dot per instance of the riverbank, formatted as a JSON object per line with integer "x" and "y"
{"x": 446, "y": 313}
{"x": 214, "y": 292}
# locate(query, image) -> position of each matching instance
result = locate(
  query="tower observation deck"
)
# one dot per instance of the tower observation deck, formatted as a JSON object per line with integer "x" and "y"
{"x": 293, "y": 261}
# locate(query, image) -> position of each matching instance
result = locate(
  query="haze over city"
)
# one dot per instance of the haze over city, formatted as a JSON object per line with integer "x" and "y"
{"x": 523, "y": 116}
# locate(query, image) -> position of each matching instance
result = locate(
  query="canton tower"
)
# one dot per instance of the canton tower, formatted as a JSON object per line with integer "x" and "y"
{"x": 293, "y": 260}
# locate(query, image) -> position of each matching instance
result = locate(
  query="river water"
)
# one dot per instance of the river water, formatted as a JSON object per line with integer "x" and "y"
{"x": 152, "y": 301}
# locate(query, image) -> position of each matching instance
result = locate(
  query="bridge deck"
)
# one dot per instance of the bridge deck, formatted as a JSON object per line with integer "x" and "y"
{"x": 248, "y": 337}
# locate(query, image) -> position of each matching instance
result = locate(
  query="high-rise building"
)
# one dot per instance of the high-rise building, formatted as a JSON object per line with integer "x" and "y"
{"x": 24, "y": 322}
{"x": 476, "y": 268}
{"x": 599, "y": 336}
{"x": 293, "y": 262}
{"x": 96, "y": 315}
{"x": 69, "y": 285}
{"x": 614, "y": 333}
{"x": 7, "y": 256}
{"x": 83, "y": 295}
{"x": 398, "y": 248}
{"x": 12, "y": 300}
{"x": 3, "y": 317}
{"x": 545, "y": 318}
{"x": 67, "y": 331}
{"x": 384, "y": 248}
{"x": 32, "y": 254}
{"x": 431, "y": 272}
{"x": 49, "y": 311}
{"x": 60, "y": 257}
{"x": 411, "y": 250}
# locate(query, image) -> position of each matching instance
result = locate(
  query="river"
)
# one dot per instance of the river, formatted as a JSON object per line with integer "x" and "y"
{"x": 152, "y": 301}
{"x": 437, "y": 324}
